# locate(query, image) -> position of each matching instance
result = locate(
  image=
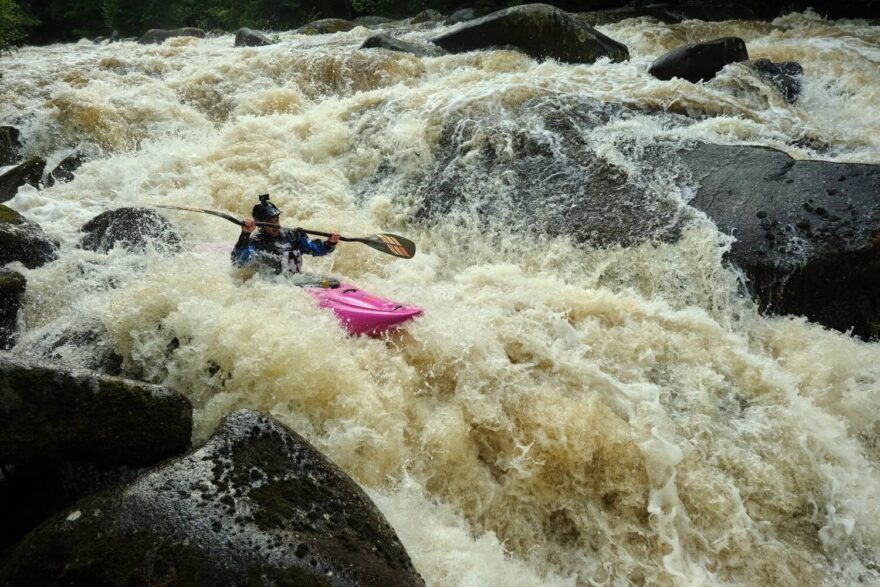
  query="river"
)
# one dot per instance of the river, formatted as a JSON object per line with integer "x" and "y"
{"x": 564, "y": 413}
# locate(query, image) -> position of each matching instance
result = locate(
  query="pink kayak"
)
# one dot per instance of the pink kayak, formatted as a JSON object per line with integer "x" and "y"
{"x": 359, "y": 311}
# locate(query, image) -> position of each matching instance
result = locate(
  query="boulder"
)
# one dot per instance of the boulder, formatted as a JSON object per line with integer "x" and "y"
{"x": 134, "y": 229}
{"x": 371, "y": 21}
{"x": 28, "y": 172}
{"x": 540, "y": 30}
{"x": 9, "y": 145}
{"x": 24, "y": 241}
{"x": 159, "y": 36}
{"x": 785, "y": 76}
{"x": 660, "y": 12}
{"x": 461, "y": 15}
{"x": 429, "y": 15}
{"x": 63, "y": 172}
{"x": 807, "y": 232}
{"x": 246, "y": 37}
{"x": 699, "y": 61}
{"x": 386, "y": 41}
{"x": 257, "y": 504}
{"x": 326, "y": 26}
{"x": 49, "y": 414}
{"x": 12, "y": 287}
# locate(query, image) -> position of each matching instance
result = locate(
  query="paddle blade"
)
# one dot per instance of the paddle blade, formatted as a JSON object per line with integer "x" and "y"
{"x": 390, "y": 244}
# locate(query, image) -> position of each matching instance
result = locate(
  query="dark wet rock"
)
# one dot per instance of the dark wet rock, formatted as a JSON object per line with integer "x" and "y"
{"x": 12, "y": 288}
{"x": 721, "y": 11}
{"x": 31, "y": 493}
{"x": 246, "y": 37}
{"x": 371, "y": 21}
{"x": 429, "y": 15}
{"x": 326, "y": 26}
{"x": 699, "y": 61}
{"x": 540, "y": 30}
{"x": 134, "y": 229}
{"x": 80, "y": 346}
{"x": 257, "y": 504}
{"x": 785, "y": 76}
{"x": 24, "y": 241}
{"x": 538, "y": 170}
{"x": 63, "y": 172}
{"x": 461, "y": 15}
{"x": 807, "y": 232}
{"x": 158, "y": 36}
{"x": 386, "y": 41}
{"x": 9, "y": 145}
{"x": 28, "y": 172}
{"x": 49, "y": 414}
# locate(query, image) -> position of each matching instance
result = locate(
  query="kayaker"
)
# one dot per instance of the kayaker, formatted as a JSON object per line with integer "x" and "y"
{"x": 279, "y": 248}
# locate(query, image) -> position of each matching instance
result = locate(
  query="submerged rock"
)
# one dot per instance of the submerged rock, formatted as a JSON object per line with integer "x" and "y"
{"x": 133, "y": 229}
{"x": 385, "y": 41}
{"x": 158, "y": 36}
{"x": 785, "y": 76}
{"x": 807, "y": 232}
{"x": 246, "y": 37}
{"x": 540, "y": 30}
{"x": 12, "y": 288}
{"x": 326, "y": 26}
{"x": 699, "y": 61}
{"x": 24, "y": 241}
{"x": 9, "y": 145}
{"x": 257, "y": 504}
{"x": 28, "y": 172}
{"x": 49, "y": 414}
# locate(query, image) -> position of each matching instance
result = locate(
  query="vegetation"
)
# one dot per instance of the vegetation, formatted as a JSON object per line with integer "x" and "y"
{"x": 13, "y": 24}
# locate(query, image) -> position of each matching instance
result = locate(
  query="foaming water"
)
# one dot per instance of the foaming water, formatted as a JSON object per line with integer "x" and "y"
{"x": 562, "y": 414}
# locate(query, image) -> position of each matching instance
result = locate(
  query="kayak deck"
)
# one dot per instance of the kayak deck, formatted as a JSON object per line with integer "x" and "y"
{"x": 359, "y": 312}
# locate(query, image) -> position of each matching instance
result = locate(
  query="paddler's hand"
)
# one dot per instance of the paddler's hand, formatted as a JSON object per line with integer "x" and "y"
{"x": 248, "y": 226}
{"x": 334, "y": 238}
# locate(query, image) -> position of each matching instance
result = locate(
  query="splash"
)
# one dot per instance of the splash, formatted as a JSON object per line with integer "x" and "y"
{"x": 562, "y": 414}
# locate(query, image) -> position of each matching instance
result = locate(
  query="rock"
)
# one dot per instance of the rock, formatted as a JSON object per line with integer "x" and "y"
{"x": 246, "y": 37}
{"x": 159, "y": 36}
{"x": 660, "y": 12}
{"x": 63, "y": 172}
{"x": 28, "y": 172}
{"x": 785, "y": 77}
{"x": 385, "y": 41}
{"x": 12, "y": 287}
{"x": 9, "y": 145}
{"x": 257, "y": 504}
{"x": 134, "y": 229}
{"x": 49, "y": 414}
{"x": 540, "y": 30}
{"x": 371, "y": 21}
{"x": 326, "y": 26}
{"x": 24, "y": 241}
{"x": 699, "y": 61}
{"x": 429, "y": 15}
{"x": 807, "y": 232}
{"x": 461, "y": 15}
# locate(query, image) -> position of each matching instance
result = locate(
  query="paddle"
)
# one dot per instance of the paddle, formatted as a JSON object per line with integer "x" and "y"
{"x": 390, "y": 244}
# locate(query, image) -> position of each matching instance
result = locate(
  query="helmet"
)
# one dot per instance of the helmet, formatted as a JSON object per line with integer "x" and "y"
{"x": 265, "y": 209}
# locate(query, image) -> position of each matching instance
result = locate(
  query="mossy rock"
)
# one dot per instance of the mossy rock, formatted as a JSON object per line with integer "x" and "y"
{"x": 257, "y": 504}
{"x": 326, "y": 26}
{"x": 539, "y": 30}
{"x": 28, "y": 172}
{"x": 48, "y": 414}
{"x": 24, "y": 241}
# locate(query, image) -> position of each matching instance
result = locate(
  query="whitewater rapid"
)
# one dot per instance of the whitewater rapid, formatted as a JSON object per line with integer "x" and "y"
{"x": 562, "y": 414}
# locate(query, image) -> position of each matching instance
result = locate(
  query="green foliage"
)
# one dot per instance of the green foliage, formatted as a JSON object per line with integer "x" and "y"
{"x": 13, "y": 23}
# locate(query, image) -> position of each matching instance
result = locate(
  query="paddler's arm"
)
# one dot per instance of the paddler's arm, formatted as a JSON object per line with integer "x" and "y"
{"x": 243, "y": 249}
{"x": 318, "y": 247}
